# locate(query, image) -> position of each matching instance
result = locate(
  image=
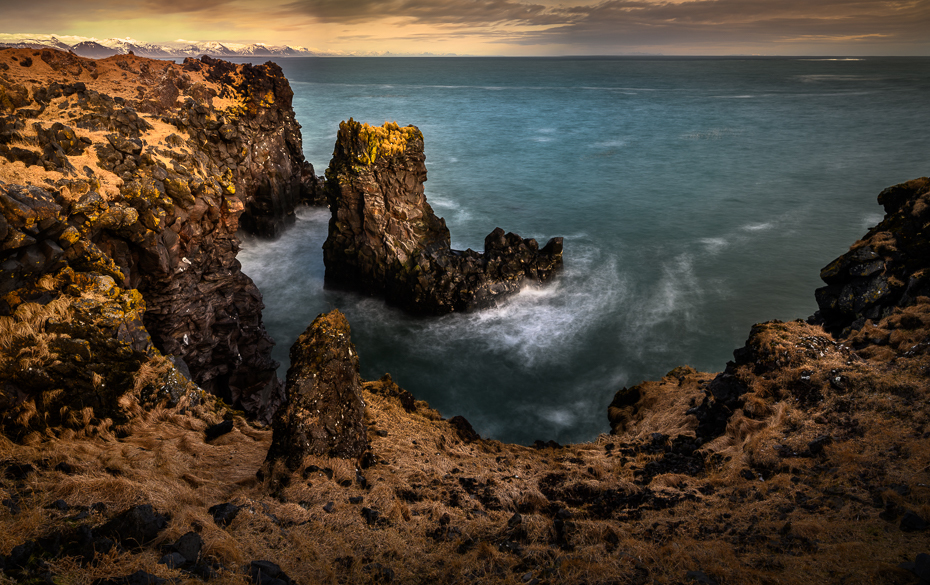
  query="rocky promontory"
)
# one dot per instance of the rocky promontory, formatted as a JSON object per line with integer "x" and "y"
{"x": 385, "y": 239}
{"x": 804, "y": 461}
{"x": 123, "y": 183}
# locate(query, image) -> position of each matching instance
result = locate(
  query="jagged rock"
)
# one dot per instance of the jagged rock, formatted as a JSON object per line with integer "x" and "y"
{"x": 324, "y": 414}
{"x": 384, "y": 237}
{"x": 889, "y": 267}
{"x": 170, "y": 232}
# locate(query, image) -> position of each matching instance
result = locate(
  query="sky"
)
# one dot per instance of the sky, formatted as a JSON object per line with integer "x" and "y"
{"x": 501, "y": 27}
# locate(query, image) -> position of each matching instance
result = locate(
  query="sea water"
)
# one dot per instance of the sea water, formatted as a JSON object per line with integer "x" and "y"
{"x": 696, "y": 197}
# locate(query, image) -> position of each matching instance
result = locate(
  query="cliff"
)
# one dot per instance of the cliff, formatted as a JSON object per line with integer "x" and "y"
{"x": 385, "y": 239}
{"x": 805, "y": 460}
{"x": 123, "y": 183}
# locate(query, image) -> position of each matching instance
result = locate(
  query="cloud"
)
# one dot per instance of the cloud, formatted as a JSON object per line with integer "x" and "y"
{"x": 184, "y": 6}
{"x": 466, "y": 12}
{"x": 644, "y": 22}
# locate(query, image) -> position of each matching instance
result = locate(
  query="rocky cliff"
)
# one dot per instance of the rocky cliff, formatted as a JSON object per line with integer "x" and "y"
{"x": 123, "y": 183}
{"x": 805, "y": 460}
{"x": 889, "y": 267}
{"x": 384, "y": 237}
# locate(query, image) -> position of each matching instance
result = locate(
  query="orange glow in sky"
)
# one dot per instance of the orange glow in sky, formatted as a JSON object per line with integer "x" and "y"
{"x": 500, "y": 27}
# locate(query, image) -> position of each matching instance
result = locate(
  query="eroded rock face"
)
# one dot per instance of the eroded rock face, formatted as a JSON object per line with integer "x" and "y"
{"x": 385, "y": 239}
{"x": 141, "y": 172}
{"x": 889, "y": 267}
{"x": 324, "y": 414}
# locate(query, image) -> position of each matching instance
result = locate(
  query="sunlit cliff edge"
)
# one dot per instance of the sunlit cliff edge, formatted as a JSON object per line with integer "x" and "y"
{"x": 136, "y": 383}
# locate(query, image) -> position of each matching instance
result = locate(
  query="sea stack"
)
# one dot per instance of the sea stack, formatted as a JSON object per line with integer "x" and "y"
{"x": 385, "y": 239}
{"x": 324, "y": 414}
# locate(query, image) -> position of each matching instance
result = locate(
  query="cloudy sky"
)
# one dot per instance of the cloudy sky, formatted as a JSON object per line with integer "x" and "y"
{"x": 501, "y": 27}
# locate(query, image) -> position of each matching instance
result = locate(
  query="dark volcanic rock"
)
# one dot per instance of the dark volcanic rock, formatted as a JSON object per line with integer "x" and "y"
{"x": 384, "y": 237}
{"x": 223, "y": 514}
{"x": 151, "y": 228}
{"x": 889, "y": 267}
{"x": 135, "y": 527}
{"x": 324, "y": 414}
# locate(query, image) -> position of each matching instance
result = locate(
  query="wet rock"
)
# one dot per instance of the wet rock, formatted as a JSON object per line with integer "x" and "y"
{"x": 324, "y": 414}
{"x": 385, "y": 239}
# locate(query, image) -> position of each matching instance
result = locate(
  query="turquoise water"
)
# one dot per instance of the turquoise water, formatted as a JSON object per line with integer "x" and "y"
{"x": 696, "y": 197}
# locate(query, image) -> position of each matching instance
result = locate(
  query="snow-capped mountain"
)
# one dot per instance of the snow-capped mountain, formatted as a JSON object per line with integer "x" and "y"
{"x": 97, "y": 48}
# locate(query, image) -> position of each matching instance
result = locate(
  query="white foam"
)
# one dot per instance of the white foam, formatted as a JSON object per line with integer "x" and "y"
{"x": 871, "y": 220}
{"x": 757, "y": 227}
{"x": 714, "y": 245}
{"x": 539, "y": 323}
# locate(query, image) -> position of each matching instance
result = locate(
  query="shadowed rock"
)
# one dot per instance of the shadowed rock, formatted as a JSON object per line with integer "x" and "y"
{"x": 324, "y": 413}
{"x": 887, "y": 268}
{"x": 385, "y": 239}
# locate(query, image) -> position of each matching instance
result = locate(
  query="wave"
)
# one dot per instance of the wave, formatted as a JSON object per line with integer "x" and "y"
{"x": 539, "y": 324}
{"x": 714, "y": 245}
{"x": 757, "y": 227}
{"x": 714, "y": 134}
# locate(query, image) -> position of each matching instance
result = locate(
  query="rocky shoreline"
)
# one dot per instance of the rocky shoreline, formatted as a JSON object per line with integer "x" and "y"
{"x": 136, "y": 382}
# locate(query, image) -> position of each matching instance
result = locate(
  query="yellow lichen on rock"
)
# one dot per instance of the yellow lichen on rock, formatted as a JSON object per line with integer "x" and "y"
{"x": 380, "y": 141}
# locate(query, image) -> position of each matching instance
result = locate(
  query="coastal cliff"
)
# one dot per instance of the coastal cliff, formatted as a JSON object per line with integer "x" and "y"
{"x": 805, "y": 460}
{"x": 124, "y": 184}
{"x": 385, "y": 239}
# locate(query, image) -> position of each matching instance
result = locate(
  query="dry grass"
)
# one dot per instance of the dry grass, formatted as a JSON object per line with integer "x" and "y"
{"x": 446, "y": 507}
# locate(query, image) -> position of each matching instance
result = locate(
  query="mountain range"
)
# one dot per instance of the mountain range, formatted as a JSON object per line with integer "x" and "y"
{"x": 101, "y": 48}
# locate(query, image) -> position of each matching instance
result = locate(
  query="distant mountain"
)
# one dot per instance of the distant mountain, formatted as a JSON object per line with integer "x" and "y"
{"x": 97, "y": 49}
{"x": 93, "y": 50}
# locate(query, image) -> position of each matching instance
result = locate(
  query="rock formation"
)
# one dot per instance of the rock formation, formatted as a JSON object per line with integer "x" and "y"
{"x": 889, "y": 267}
{"x": 324, "y": 414}
{"x": 124, "y": 182}
{"x": 384, "y": 237}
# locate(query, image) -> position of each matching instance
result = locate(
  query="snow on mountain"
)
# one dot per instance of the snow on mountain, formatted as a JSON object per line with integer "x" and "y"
{"x": 97, "y": 48}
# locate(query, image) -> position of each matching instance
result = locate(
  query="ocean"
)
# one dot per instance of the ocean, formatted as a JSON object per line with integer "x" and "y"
{"x": 696, "y": 198}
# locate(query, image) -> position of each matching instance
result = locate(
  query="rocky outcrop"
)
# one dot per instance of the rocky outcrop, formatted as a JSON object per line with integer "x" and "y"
{"x": 385, "y": 239}
{"x": 324, "y": 414}
{"x": 889, "y": 267}
{"x": 123, "y": 184}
